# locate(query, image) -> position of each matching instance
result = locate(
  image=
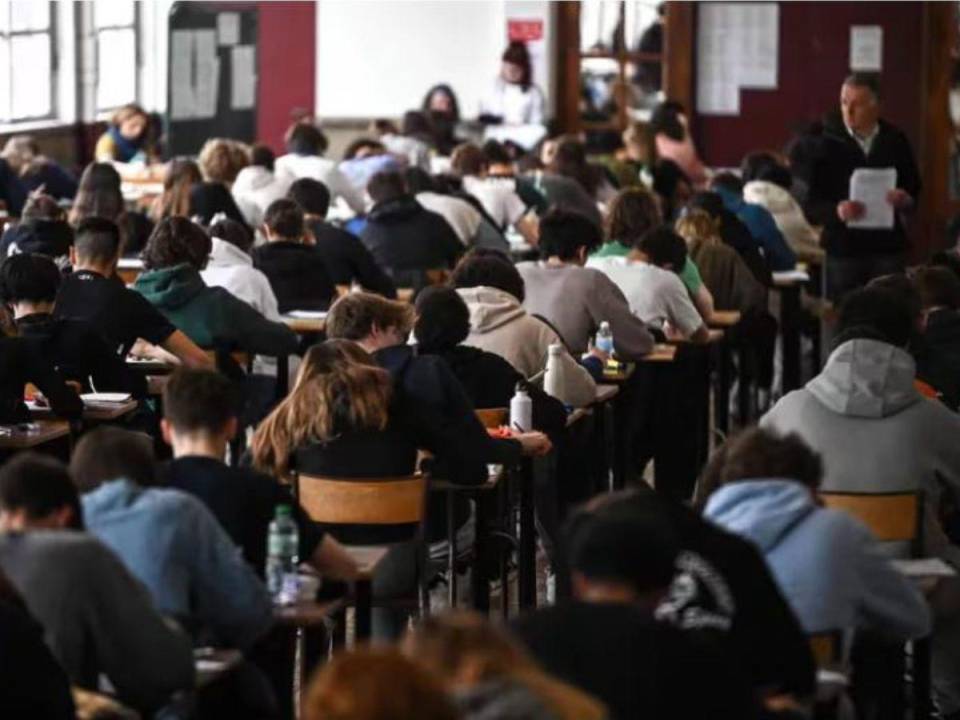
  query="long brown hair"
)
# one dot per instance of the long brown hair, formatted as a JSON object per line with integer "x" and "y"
{"x": 98, "y": 194}
{"x": 182, "y": 175}
{"x": 339, "y": 387}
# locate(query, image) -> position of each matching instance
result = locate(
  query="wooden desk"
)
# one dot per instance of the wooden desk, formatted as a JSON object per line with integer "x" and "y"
{"x": 662, "y": 353}
{"x": 92, "y": 412}
{"x": 30, "y": 435}
{"x": 788, "y": 285}
{"x": 723, "y": 318}
{"x": 316, "y": 324}
{"x": 605, "y": 393}
{"x": 129, "y": 269}
{"x": 622, "y": 375}
{"x": 150, "y": 366}
{"x": 405, "y": 294}
{"x": 307, "y": 614}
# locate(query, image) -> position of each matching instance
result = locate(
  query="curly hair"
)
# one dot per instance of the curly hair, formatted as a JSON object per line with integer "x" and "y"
{"x": 221, "y": 160}
{"x": 174, "y": 241}
{"x": 633, "y": 212}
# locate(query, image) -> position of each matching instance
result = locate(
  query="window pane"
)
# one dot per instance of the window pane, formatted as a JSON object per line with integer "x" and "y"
{"x": 31, "y": 80}
{"x": 4, "y": 18}
{"x": 117, "y": 60}
{"x": 112, "y": 13}
{"x": 598, "y": 25}
{"x": 30, "y": 14}
{"x": 643, "y": 26}
{"x": 4, "y": 78}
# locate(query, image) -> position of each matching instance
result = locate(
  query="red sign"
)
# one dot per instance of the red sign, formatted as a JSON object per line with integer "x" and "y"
{"x": 524, "y": 30}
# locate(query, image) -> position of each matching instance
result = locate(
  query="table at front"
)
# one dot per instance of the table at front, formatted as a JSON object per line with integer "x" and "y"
{"x": 93, "y": 412}
{"x": 25, "y": 436}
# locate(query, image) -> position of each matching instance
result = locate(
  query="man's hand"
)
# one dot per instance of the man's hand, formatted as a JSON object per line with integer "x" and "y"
{"x": 900, "y": 199}
{"x": 850, "y": 210}
{"x": 535, "y": 444}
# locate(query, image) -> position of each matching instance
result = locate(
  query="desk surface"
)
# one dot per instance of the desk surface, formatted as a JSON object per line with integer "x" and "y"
{"x": 30, "y": 435}
{"x": 622, "y": 375}
{"x": 724, "y": 318}
{"x": 99, "y": 412}
{"x": 494, "y": 477}
{"x": 662, "y": 353}
{"x": 790, "y": 278}
{"x": 367, "y": 557}
{"x": 606, "y": 392}
{"x": 305, "y": 324}
{"x": 307, "y": 614}
{"x": 150, "y": 365}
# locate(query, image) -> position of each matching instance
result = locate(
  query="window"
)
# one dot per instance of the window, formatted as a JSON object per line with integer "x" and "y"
{"x": 26, "y": 60}
{"x": 115, "y": 23}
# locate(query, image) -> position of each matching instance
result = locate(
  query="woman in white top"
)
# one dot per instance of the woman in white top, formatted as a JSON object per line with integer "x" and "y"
{"x": 304, "y": 158}
{"x": 514, "y": 100}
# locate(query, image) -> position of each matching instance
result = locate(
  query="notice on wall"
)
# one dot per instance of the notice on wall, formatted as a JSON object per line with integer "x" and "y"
{"x": 195, "y": 74}
{"x": 866, "y": 48}
{"x": 243, "y": 78}
{"x": 228, "y": 28}
{"x": 182, "y": 103}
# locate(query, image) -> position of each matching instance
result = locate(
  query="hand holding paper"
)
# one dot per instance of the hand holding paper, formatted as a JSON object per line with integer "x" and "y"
{"x": 871, "y": 187}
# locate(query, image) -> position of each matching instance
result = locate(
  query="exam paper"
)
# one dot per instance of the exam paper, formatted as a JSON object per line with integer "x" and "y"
{"x": 870, "y": 186}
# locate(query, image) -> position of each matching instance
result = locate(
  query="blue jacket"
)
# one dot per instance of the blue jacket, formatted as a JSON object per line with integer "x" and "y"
{"x": 828, "y": 565}
{"x": 174, "y": 545}
{"x": 764, "y": 229}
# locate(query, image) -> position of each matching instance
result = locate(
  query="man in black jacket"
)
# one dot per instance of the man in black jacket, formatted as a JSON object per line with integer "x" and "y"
{"x": 402, "y": 236}
{"x": 859, "y": 139}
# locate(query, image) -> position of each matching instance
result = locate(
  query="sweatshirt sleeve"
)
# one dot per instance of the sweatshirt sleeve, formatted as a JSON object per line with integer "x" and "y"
{"x": 248, "y": 330}
{"x": 778, "y": 253}
{"x": 64, "y": 402}
{"x": 340, "y": 186}
{"x": 370, "y": 275}
{"x": 631, "y": 339}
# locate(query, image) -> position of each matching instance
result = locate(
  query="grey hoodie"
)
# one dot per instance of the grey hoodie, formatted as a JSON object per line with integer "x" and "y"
{"x": 876, "y": 433}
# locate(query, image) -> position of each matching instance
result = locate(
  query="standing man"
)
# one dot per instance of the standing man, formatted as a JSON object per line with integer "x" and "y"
{"x": 860, "y": 140}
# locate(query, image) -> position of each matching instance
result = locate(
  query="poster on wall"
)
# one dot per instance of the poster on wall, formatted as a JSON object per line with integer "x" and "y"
{"x": 866, "y": 48}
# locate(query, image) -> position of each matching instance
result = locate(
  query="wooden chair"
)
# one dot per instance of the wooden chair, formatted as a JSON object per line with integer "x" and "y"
{"x": 492, "y": 418}
{"x": 829, "y": 653}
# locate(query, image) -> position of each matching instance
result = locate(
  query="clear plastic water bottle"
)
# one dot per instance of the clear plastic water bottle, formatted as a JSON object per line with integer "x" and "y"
{"x": 283, "y": 543}
{"x": 604, "y": 340}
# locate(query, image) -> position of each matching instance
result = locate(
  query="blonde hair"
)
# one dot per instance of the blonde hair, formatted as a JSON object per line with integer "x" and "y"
{"x": 460, "y": 642}
{"x": 221, "y": 160}
{"x": 339, "y": 387}
{"x": 124, "y": 113}
{"x": 698, "y": 226}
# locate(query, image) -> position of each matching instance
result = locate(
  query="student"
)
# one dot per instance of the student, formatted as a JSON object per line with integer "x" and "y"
{"x": 42, "y": 230}
{"x": 412, "y": 142}
{"x": 443, "y": 112}
{"x": 489, "y": 675}
{"x": 570, "y": 161}
{"x": 231, "y": 267}
{"x": 575, "y": 299}
{"x": 347, "y": 260}
{"x": 828, "y": 564}
{"x": 28, "y": 284}
{"x": 92, "y": 293}
{"x": 459, "y": 214}
{"x": 938, "y": 354}
{"x": 98, "y": 620}
{"x": 211, "y": 317}
{"x": 220, "y": 161}
{"x": 648, "y": 279}
{"x": 759, "y": 222}
{"x": 187, "y": 194}
{"x": 125, "y": 139}
{"x": 403, "y": 237}
{"x": 99, "y": 196}
{"x": 257, "y": 185}
{"x": 169, "y": 540}
{"x": 38, "y": 172}
{"x": 22, "y": 361}
{"x": 670, "y": 131}
{"x": 364, "y": 158}
{"x": 514, "y": 99}
{"x": 494, "y": 292}
{"x": 296, "y": 270}
{"x": 304, "y": 159}
{"x": 734, "y": 233}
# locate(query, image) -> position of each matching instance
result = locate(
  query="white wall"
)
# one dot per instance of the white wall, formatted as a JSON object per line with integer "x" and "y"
{"x": 378, "y": 57}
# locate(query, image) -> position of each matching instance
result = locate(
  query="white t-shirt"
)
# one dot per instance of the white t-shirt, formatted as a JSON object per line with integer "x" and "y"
{"x": 324, "y": 170}
{"x": 514, "y": 104}
{"x": 498, "y": 197}
{"x": 461, "y": 215}
{"x": 655, "y": 295}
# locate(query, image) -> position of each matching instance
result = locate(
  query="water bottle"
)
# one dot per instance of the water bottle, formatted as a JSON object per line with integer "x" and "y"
{"x": 521, "y": 411}
{"x": 553, "y": 379}
{"x": 283, "y": 543}
{"x": 604, "y": 340}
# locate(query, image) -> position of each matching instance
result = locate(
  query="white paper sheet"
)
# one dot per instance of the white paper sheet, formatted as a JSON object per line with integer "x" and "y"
{"x": 243, "y": 76}
{"x": 207, "y": 73}
{"x": 924, "y": 567}
{"x": 866, "y": 47}
{"x": 183, "y": 104}
{"x": 870, "y": 187}
{"x": 228, "y": 28}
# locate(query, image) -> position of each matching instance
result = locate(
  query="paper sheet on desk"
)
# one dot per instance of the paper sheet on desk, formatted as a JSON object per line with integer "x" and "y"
{"x": 870, "y": 187}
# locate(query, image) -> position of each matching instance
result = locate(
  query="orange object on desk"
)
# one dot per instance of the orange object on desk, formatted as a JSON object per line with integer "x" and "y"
{"x": 501, "y": 433}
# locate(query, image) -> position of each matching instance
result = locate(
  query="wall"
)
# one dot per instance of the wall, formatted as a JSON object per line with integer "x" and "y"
{"x": 814, "y": 58}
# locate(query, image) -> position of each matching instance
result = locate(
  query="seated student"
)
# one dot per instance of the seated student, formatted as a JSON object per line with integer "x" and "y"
{"x": 296, "y": 271}
{"x": 442, "y": 324}
{"x": 97, "y": 619}
{"x": 92, "y": 293}
{"x": 403, "y": 237}
{"x": 186, "y": 194}
{"x": 28, "y": 284}
{"x": 126, "y": 137}
{"x": 38, "y": 172}
{"x": 210, "y": 316}
{"x": 200, "y": 418}
{"x": 734, "y": 233}
{"x": 169, "y": 540}
{"x": 231, "y": 267}
{"x": 569, "y": 160}
{"x": 531, "y": 188}
{"x": 99, "y": 195}
{"x": 347, "y": 259}
{"x": 489, "y": 675}
{"x": 759, "y": 222}
{"x": 220, "y": 161}
{"x": 22, "y": 361}
{"x": 364, "y": 158}
{"x": 607, "y": 641}
{"x": 257, "y": 185}
{"x": 649, "y": 281}
{"x": 938, "y": 354}
{"x": 42, "y": 230}
{"x": 827, "y": 563}
{"x": 575, "y": 299}
{"x": 493, "y": 291}
{"x": 304, "y": 159}
{"x": 411, "y": 142}
{"x": 669, "y": 128}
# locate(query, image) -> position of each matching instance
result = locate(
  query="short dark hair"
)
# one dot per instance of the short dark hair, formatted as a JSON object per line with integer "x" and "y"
{"x": 757, "y": 454}
{"x": 904, "y": 287}
{"x": 563, "y": 233}
{"x": 443, "y": 320}
{"x": 284, "y": 218}
{"x": 664, "y": 247}
{"x": 305, "y": 139}
{"x": 727, "y": 181}
{"x": 415, "y": 122}
{"x": 262, "y": 156}
{"x": 110, "y": 453}
{"x": 938, "y": 286}
{"x": 386, "y": 185}
{"x": 765, "y": 166}
{"x": 353, "y": 316}
{"x": 467, "y": 159}
{"x": 419, "y": 180}
{"x": 38, "y": 485}
{"x": 176, "y": 240}
{"x": 868, "y": 80}
{"x": 233, "y": 232}
{"x": 491, "y": 269}
{"x": 494, "y": 152}
{"x": 97, "y": 240}
{"x": 875, "y": 313}
{"x": 29, "y": 278}
{"x": 199, "y": 400}
{"x": 311, "y": 195}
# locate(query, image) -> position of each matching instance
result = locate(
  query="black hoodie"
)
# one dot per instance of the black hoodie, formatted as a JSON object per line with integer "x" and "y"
{"x": 37, "y": 236}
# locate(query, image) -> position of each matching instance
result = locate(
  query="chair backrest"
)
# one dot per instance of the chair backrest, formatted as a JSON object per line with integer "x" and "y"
{"x": 363, "y": 501}
{"x": 892, "y": 517}
{"x": 492, "y": 418}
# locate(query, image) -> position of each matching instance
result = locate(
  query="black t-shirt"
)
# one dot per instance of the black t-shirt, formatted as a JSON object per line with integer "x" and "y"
{"x": 244, "y": 502}
{"x": 119, "y": 314}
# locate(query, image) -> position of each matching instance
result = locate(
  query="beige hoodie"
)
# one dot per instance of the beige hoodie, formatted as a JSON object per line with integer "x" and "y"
{"x": 799, "y": 234}
{"x": 500, "y": 325}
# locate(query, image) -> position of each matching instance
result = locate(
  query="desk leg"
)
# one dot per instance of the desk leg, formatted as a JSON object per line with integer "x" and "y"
{"x": 363, "y": 589}
{"x": 615, "y": 464}
{"x": 480, "y": 583}
{"x": 451, "y": 552}
{"x": 721, "y": 409}
{"x": 790, "y": 332}
{"x": 527, "y": 554}
{"x": 298, "y": 671}
{"x": 921, "y": 679}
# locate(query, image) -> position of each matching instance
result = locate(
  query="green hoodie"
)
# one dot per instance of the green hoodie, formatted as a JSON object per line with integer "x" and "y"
{"x": 211, "y": 316}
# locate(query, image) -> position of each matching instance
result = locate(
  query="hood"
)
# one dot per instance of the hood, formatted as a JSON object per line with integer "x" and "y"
{"x": 170, "y": 288}
{"x": 731, "y": 200}
{"x": 224, "y": 254}
{"x": 490, "y": 308}
{"x": 52, "y": 238}
{"x": 866, "y": 378}
{"x": 397, "y": 210}
{"x": 253, "y": 177}
{"x": 770, "y": 195}
{"x": 762, "y": 510}
{"x": 462, "y": 357}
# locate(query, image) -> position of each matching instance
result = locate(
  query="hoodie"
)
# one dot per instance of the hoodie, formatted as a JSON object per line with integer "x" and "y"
{"x": 786, "y": 211}
{"x": 500, "y": 325}
{"x": 255, "y": 188}
{"x": 874, "y": 430}
{"x": 232, "y": 269}
{"x": 211, "y": 316}
{"x": 827, "y": 564}
{"x": 763, "y": 228}
{"x": 37, "y": 236}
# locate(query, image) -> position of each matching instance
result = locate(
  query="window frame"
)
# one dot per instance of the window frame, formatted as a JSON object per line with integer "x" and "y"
{"x": 137, "y": 27}
{"x": 52, "y": 33}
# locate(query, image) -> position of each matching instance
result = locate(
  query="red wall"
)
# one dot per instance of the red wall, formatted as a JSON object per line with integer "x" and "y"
{"x": 814, "y": 58}
{"x": 287, "y": 49}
